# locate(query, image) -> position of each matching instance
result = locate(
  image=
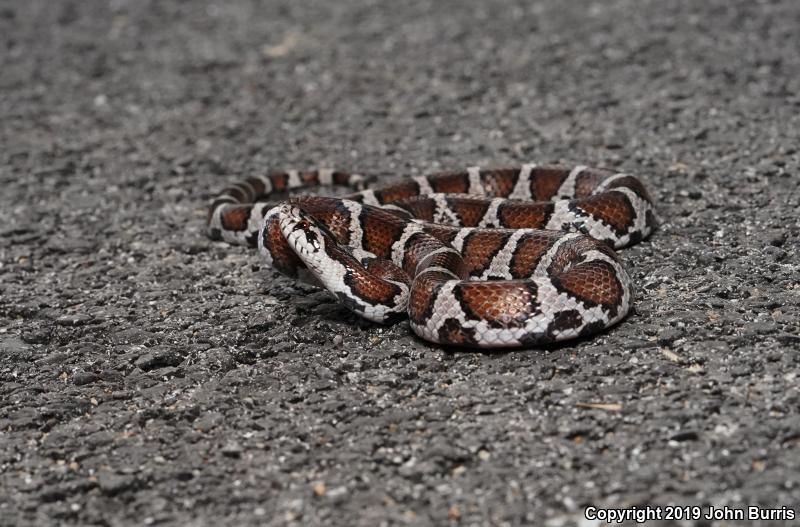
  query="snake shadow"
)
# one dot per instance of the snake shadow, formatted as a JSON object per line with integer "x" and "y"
{"x": 337, "y": 313}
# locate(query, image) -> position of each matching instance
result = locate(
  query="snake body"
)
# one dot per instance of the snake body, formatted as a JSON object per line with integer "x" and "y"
{"x": 486, "y": 258}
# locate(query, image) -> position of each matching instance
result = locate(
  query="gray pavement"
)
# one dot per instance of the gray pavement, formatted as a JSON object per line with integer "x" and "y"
{"x": 151, "y": 376}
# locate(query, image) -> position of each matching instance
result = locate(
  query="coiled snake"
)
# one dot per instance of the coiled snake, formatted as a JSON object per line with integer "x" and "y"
{"x": 483, "y": 258}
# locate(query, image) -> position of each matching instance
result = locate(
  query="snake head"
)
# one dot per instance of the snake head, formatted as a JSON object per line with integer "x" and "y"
{"x": 310, "y": 231}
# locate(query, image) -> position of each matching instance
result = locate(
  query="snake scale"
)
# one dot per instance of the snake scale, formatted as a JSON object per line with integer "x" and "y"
{"x": 487, "y": 258}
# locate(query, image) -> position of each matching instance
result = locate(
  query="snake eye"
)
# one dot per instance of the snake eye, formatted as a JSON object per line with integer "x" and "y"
{"x": 311, "y": 238}
{"x": 301, "y": 225}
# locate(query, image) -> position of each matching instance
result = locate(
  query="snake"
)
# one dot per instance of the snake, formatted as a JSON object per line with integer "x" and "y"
{"x": 483, "y": 258}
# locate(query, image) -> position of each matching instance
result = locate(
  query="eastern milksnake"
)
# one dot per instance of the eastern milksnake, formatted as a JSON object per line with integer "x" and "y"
{"x": 462, "y": 254}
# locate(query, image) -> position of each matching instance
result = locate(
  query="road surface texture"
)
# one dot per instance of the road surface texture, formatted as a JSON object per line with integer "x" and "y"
{"x": 152, "y": 376}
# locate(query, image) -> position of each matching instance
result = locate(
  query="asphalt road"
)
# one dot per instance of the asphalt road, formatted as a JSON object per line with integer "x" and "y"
{"x": 151, "y": 376}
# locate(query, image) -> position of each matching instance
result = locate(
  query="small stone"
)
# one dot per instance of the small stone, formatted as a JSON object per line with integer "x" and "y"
{"x": 82, "y": 377}
{"x": 777, "y": 239}
{"x": 111, "y": 375}
{"x": 232, "y": 449}
{"x": 281, "y": 347}
{"x": 319, "y": 489}
{"x": 776, "y": 253}
{"x": 759, "y": 328}
{"x": 37, "y": 335}
{"x": 158, "y": 358}
{"x": 12, "y": 346}
{"x": 741, "y": 371}
{"x": 112, "y": 484}
{"x": 337, "y": 494}
{"x": 338, "y": 340}
{"x": 131, "y": 336}
{"x": 208, "y": 421}
{"x": 686, "y": 435}
{"x": 668, "y": 336}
